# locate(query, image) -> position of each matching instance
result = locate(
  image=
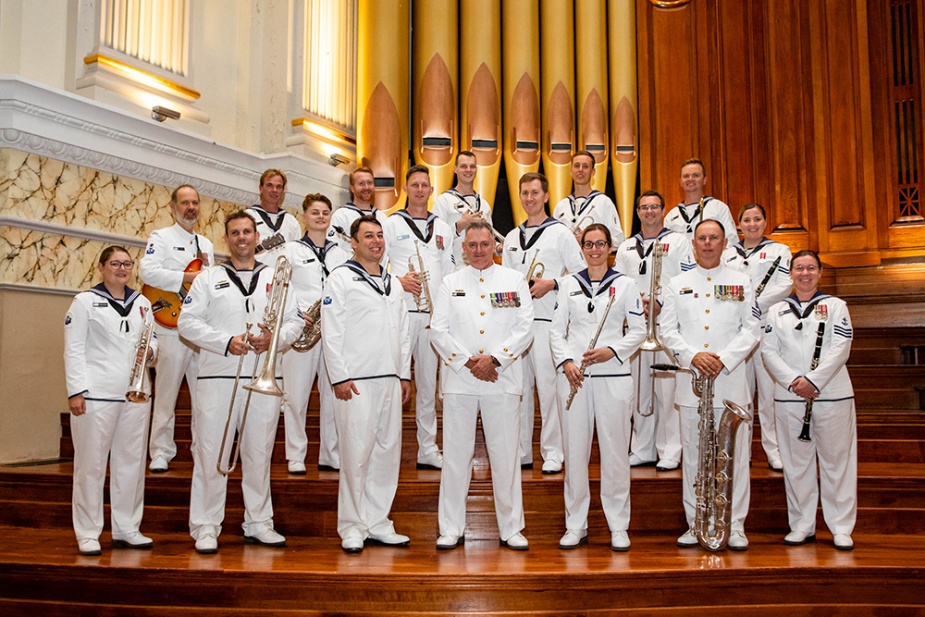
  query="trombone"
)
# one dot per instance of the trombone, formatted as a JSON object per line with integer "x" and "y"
{"x": 652, "y": 342}
{"x": 265, "y": 381}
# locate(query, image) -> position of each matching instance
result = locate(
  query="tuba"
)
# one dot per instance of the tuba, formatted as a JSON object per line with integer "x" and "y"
{"x": 713, "y": 482}
{"x": 422, "y": 301}
{"x": 310, "y": 334}
{"x": 136, "y": 383}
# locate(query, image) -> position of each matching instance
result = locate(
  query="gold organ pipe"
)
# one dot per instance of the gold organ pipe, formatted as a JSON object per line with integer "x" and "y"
{"x": 623, "y": 113}
{"x": 591, "y": 81}
{"x": 558, "y": 95}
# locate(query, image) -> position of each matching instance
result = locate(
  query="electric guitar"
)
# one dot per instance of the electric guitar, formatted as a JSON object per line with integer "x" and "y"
{"x": 166, "y": 305}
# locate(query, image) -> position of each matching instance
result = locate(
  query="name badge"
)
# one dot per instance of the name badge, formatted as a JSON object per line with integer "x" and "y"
{"x": 575, "y": 293}
{"x": 685, "y": 291}
{"x": 223, "y": 285}
{"x": 403, "y": 237}
{"x": 179, "y": 248}
{"x": 100, "y": 305}
{"x": 459, "y": 293}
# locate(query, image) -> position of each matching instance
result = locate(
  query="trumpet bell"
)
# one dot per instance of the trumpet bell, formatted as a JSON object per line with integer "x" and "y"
{"x": 136, "y": 396}
{"x": 264, "y": 383}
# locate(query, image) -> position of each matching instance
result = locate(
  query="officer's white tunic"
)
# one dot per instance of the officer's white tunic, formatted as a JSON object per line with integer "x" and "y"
{"x": 487, "y": 312}
{"x": 788, "y": 346}
{"x": 99, "y": 352}
{"x": 595, "y": 208}
{"x": 605, "y": 397}
{"x": 449, "y": 206}
{"x": 684, "y": 218}
{"x": 169, "y": 252}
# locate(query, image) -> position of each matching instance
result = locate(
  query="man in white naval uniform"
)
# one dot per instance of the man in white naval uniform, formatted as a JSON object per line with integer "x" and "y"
{"x": 274, "y": 224}
{"x": 221, "y": 305}
{"x": 656, "y": 425}
{"x": 363, "y": 192}
{"x": 411, "y": 236}
{"x": 461, "y": 205}
{"x": 170, "y": 251}
{"x": 687, "y": 214}
{"x": 367, "y": 350}
{"x": 710, "y": 323}
{"x": 541, "y": 239}
{"x": 585, "y": 205}
{"x": 483, "y": 323}
{"x": 312, "y": 257}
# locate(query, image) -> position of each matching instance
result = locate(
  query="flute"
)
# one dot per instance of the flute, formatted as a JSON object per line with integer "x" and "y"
{"x": 591, "y": 345}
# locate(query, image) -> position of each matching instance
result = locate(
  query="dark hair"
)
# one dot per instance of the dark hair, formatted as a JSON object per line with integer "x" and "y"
{"x": 270, "y": 173}
{"x": 355, "y": 226}
{"x": 417, "y": 169}
{"x": 109, "y": 250}
{"x": 651, "y": 193}
{"x": 312, "y": 198}
{"x": 239, "y": 214}
{"x": 748, "y": 207}
{"x": 694, "y": 161}
{"x": 807, "y": 253}
{"x": 597, "y": 227}
{"x": 465, "y": 153}
{"x": 173, "y": 196}
{"x": 721, "y": 228}
{"x": 530, "y": 176}
{"x": 585, "y": 153}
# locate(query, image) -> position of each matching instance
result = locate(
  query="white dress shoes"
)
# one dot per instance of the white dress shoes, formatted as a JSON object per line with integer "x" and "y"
{"x": 267, "y": 537}
{"x": 573, "y": 539}
{"x": 89, "y": 547}
{"x": 517, "y": 542}
{"x": 796, "y": 538}
{"x": 843, "y": 542}
{"x": 158, "y": 464}
{"x": 551, "y": 467}
{"x": 448, "y": 542}
{"x": 297, "y": 468}
{"x": 688, "y": 540}
{"x": 353, "y": 544}
{"x": 738, "y": 541}
{"x": 207, "y": 544}
{"x": 132, "y": 540}
{"x": 636, "y": 461}
{"x": 432, "y": 461}
{"x": 667, "y": 464}
{"x": 775, "y": 464}
{"x": 390, "y": 539}
{"x": 619, "y": 541}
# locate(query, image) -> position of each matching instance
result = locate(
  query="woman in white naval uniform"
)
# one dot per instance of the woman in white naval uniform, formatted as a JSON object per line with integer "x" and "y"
{"x": 767, "y": 264}
{"x": 791, "y": 342}
{"x": 312, "y": 258}
{"x": 604, "y": 394}
{"x": 101, "y": 334}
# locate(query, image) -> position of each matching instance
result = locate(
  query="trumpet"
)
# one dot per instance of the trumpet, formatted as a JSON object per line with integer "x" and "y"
{"x": 310, "y": 334}
{"x": 652, "y": 342}
{"x": 536, "y": 270}
{"x": 136, "y": 383}
{"x": 421, "y": 301}
{"x": 462, "y": 208}
{"x": 577, "y": 226}
{"x": 265, "y": 381}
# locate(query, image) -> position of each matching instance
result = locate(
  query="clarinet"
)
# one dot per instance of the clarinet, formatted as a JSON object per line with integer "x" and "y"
{"x": 814, "y": 363}
{"x": 767, "y": 277}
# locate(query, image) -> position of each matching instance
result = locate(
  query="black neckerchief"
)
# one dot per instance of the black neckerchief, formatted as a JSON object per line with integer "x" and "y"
{"x": 793, "y": 303}
{"x": 352, "y": 206}
{"x": 429, "y": 225}
{"x": 462, "y": 199}
{"x": 524, "y": 245}
{"x": 573, "y": 203}
{"x": 689, "y": 219}
{"x": 233, "y": 275}
{"x": 265, "y": 217}
{"x": 123, "y": 307}
{"x": 320, "y": 252}
{"x": 386, "y": 277}
{"x": 645, "y": 253}
{"x": 745, "y": 253}
{"x": 586, "y": 284}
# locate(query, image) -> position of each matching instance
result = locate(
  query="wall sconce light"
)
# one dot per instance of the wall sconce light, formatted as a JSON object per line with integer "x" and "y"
{"x": 162, "y": 113}
{"x": 337, "y": 159}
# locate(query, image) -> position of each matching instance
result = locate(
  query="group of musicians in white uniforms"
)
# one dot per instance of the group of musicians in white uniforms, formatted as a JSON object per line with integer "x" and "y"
{"x": 413, "y": 285}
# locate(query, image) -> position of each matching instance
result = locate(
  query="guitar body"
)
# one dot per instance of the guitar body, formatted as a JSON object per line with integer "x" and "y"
{"x": 166, "y": 305}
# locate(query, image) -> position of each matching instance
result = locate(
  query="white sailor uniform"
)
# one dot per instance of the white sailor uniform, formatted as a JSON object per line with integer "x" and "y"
{"x": 657, "y": 435}
{"x": 684, "y": 218}
{"x": 449, "y": 206}
{"x": 487, "y": 312}
{"x": 275, "y": 230}
{"x": 553, "y": 245}
{"x": 364, "y": 326}
{"x": 101, "y": 335}
{"x": 220, "y": 303}
{"x": 788, "y": 346}
{"x": 310, "y": 266}
{"x": 605, "y": 398}
{"x": 170, "y": 251}
{"x": 342, "y": 218}
{"x": 597, "y": 207}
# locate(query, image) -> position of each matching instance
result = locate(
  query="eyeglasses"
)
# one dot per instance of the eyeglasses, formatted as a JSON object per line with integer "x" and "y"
{"x": 594, "y": 245}
{"x": 116, "y": 265}
{"x": 647, "y": 208}
{"x": 809, "y": 268}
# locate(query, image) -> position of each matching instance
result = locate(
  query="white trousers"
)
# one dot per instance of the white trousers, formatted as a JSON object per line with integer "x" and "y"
{"x": 176, "y": 357}
{"x": 209, "y": 487}
{"x": 607, "y": 402}
{"x": 501, "y": 426}
{"x": 425, "y": 383}
{"x": 741, "y": 478}
{"x": 759, "y": 377}
{"x": 834, "y": 445}
{"x": 369, "y": 436}
{"x": 299, "y": 372}
{"x": 115, "y": 432}
{"x": 657, "y": 436}
{"x": 540, "y": 370}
